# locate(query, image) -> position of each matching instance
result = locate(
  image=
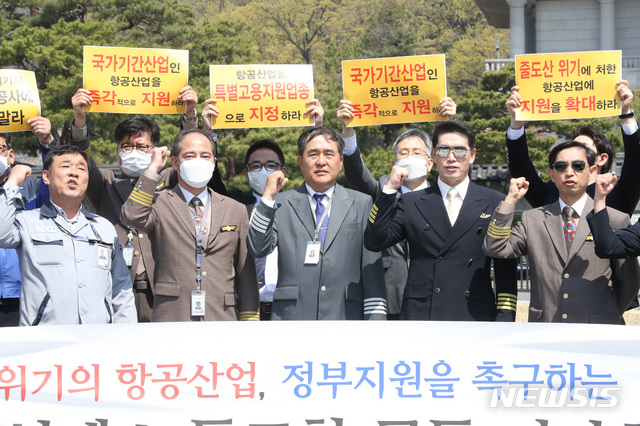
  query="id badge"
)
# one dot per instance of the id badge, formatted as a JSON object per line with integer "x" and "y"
{"x": 104, "y": 257}
{"x": 127, "y": 254}
{"x": 198, "y": 303}
{"x": 312, "y": 256}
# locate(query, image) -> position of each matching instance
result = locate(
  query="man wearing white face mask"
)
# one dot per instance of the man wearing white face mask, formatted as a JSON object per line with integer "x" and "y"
{"x": 412, "y": 153}
{"x": 262, "y": 159}
{"x": 107, "y": 191}
{"x": 203, "y": 271}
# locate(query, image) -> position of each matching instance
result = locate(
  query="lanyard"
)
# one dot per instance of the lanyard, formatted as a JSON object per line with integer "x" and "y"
{"x": 201, "y": 232}
{"x": 316, "y": 233}
{"x": 79, "y": 238}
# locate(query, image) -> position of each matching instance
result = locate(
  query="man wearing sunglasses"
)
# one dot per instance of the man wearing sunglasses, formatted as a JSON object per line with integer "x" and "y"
{"x": 449, "y": 276}
{"x": 569, "y": 283}
{"x": 626, "y": 193}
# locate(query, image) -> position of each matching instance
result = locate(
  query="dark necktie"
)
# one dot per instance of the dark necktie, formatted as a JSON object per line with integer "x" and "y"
{"x": 197, "y": 208}
{"x": 319, "y": 212}
{"x": 569, "y": 225}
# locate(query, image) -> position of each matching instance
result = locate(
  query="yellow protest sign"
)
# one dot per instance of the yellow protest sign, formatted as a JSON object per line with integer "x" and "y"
{"x": 19, "y": 100}
{"x": 261, "y": 95}
{"x": 395, "y": 90}
{"x": 557, "y": 86}
{"x": 135, "y": 81}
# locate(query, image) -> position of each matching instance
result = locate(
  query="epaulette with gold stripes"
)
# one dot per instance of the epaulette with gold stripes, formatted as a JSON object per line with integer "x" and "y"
{"x": 373, "y": 213}
{"x": 498, "y": 232}
{"x": 141, "y": 197}
{"x": 507, "y": 302}
{"x": 249, "y": 316}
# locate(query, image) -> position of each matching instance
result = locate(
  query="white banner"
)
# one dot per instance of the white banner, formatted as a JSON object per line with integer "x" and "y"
{"x": 320, "y": 373}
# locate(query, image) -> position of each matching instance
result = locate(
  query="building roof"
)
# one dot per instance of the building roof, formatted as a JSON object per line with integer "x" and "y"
{"x": 496, "y": 12}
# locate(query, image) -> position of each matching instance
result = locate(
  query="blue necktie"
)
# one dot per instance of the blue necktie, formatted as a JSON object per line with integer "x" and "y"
{"x": 319, "y": 212}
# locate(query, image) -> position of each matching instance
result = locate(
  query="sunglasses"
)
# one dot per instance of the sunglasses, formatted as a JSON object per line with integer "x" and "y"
{"x": 576, "y": 165}
{"x": 459, "y": 151}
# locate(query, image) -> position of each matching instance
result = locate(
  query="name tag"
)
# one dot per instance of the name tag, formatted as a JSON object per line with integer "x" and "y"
{"x": 312, "y": 256}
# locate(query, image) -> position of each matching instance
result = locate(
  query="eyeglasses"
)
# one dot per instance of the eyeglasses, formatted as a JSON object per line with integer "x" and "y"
{"x": 4, "y": 149}
{"x": 576, "y": 165}
{"x": 127, "y": 147}
{"x": 417, "y": 152}
{"x": 256, "y": 166}
{"x": 459, "y": 151}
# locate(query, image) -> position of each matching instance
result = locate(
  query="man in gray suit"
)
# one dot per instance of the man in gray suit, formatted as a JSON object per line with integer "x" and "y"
{"x": 324, "y": 272}
{"x": 569, "y": 283}
{"x": 412, "y": 151}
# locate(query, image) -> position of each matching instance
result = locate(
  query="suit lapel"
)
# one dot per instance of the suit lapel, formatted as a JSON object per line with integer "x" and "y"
{"x": 553, "y": 224}
{"x": 472, "y": 207}
{"x": 301, "y": 207}
{"x": 431, "y": 207}
{"x": 124, "y": 188}
{"x": 582, "y": 231}
{"x": 340, "y": 206}
{"x": 181, "y": 209}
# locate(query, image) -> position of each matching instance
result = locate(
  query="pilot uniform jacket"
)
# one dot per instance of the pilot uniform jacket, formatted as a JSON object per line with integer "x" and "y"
{"x": 347, "y": 283}
{"x": 621, "y": 244}
{"x": 566, "y": 287}
{"x": 228, "y": 272}
{"x": 395, "y": 259}
{"x": 65, "y": 279}
{"x": 107, "y": 191}
{"x": 449, "y": 275}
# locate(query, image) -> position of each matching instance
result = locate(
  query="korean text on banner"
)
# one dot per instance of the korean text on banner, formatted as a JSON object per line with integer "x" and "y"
{"x": 261, "y": 95}
{"x": 560, "y": 86}
{"x": 135, "y": 81}
{"x": 19, "y": 100}
{"x": 172, "y": 374}
{"x": 395, "y": 90}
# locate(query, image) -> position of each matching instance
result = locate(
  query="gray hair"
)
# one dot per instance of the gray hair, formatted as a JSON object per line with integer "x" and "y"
{"x": 413, "y": 133}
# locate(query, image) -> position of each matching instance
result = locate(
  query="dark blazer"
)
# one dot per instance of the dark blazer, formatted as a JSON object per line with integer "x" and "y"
{"x": 395, "y": 259}
{"x": 449, "y": 275}
{"x": 574, "y": 286}
{"x": 228, "y": 272}
{"x": 622, "y": 243}
{"x": 346, "y": 284}
{"x": 623, "y": 197}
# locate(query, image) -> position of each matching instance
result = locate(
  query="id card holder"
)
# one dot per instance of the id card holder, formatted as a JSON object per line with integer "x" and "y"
{"x": 312, "y": 256}
{"x": 104, "y": 256}
{"x": 127, "y": 254}
{"x": 198, "y": 303}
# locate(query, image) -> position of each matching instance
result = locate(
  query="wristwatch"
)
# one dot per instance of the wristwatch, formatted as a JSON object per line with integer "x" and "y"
{"x": 628, "y": 115}
{"x": 194, "y": 117}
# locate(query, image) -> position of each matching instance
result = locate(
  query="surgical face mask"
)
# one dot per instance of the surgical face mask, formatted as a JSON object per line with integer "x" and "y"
{"x": 417, "y": 167}
{"x": 258, "y": 180}
{"x": 134, "y": 163}
{"x": 3, "y": 164}
{"x": 196, "y": 172}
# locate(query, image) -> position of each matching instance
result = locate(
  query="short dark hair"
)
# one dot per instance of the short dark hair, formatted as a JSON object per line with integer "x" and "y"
{"x": 591, "y": 156}
{"x": 8, "y": 137}
{"x": 602, "y": 144}
{"x": 414, "y": 133}
{"x": 454, "y": 126}
{"x": 177, "y": 142}
{"x": 62, "y": 150}
{"x": 268, "y": 144}
{"x": 137, "y": 126}
{"x": 328, "y": 133}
